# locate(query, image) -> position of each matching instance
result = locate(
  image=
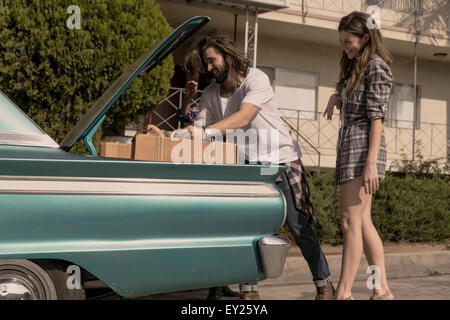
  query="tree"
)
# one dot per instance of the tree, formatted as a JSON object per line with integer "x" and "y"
{"x": 55, "y": 73}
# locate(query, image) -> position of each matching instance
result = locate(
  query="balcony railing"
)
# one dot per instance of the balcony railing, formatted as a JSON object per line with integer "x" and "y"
{"x": 433, "y": 15}
{"x": 347, "y": 6}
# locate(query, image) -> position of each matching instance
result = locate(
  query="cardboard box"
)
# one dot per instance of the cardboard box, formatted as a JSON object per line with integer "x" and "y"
{"x": 154, "y": 148}
{"x": 151, "y": 148}
{"x": 115, "y": 150}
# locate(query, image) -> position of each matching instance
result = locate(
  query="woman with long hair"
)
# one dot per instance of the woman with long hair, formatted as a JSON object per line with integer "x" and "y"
{"x": 362, "y": 96}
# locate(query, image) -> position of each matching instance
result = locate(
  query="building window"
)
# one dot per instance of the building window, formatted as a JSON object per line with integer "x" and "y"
{"x": 295, "y": 90}
{"x": 402, "y": 113}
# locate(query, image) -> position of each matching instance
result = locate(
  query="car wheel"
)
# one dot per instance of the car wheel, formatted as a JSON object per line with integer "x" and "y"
{"x": 57, "y": 271}
{"x": 25, "y": 280}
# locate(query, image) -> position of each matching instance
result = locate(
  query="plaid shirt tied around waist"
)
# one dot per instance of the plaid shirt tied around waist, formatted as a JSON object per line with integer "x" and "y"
{"x": 298, "y": 180}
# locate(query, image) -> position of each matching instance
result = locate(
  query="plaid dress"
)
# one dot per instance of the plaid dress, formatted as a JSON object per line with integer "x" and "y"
{"x": 369, "y": 102}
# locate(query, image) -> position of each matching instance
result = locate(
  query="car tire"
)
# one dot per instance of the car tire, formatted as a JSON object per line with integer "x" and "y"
{"x": 57, "y": 271}
{"x": 22, "y": 279}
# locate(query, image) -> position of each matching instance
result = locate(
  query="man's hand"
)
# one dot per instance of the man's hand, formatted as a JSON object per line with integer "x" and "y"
{"x": 191, "y": 129}
{"x": 154, "y": 131}
{"x": 332, "y": 102}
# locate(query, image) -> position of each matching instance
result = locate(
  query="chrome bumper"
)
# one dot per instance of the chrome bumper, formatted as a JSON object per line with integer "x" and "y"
{"x": 273, "y": 252}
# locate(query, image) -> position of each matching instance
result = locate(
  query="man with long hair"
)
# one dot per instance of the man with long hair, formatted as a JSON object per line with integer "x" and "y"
{"x": 241, "y": 97}
{"x": 363, "y": 90}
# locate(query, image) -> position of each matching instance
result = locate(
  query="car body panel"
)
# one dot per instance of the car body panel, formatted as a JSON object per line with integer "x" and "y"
{"x": 142, "y": 245}
{"x": 141, "y": 227}
{"x": 26, "y": 161}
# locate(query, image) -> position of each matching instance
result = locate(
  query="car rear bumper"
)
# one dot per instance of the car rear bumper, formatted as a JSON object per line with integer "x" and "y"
{"x": 273, "y": 252}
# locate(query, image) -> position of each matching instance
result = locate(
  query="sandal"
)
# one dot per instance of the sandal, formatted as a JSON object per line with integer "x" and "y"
{"x": 383, "y": 296}
{"x": 350, "y": 297}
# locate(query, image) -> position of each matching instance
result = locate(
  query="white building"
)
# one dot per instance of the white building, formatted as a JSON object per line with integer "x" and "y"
{"x": 298, "y": 47}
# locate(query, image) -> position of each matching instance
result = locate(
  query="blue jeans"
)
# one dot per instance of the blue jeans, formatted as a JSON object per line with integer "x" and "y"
{"x": 305, "y": 237}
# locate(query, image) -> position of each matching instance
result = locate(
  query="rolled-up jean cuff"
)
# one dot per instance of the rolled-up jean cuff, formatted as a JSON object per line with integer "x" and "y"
{"x": 324, "y": 282}
{"x": 248, "y": 287}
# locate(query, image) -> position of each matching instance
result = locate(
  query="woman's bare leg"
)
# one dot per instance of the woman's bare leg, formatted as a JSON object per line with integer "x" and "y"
{"x": 373, "y": 249}
{"x": 353, "y": 204}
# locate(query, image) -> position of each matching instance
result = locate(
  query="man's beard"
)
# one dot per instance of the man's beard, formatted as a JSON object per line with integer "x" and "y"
{"x": 222, "y": 75}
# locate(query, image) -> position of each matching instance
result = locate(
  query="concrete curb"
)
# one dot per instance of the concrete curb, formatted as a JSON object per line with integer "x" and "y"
{"x": 398, "y": 265}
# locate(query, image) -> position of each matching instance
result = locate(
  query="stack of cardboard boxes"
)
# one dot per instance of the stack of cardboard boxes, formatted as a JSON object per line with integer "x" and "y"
{"x": 155, "y": 148}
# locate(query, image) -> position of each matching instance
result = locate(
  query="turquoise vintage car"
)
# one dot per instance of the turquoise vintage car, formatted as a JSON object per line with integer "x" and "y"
{"x": 72, "y": 223}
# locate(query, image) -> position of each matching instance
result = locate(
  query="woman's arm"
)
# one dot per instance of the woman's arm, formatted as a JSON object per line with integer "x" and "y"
{"x": 376, "y": 131}
{"x": 334, "y": 101}
{"x": 191, "y": 90}
{"x": 379, "y": 84}
{"x": 370, "y": 174}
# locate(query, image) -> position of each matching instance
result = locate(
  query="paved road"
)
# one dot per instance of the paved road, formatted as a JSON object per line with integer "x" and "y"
{"x": 420, "y": 272}
{"x": 435, "y": 287}
{"x": 420, "y": 288}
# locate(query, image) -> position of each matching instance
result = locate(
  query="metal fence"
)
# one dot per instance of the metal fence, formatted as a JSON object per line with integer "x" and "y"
{"x": 318, "y": 136}
{"x": 430, "y": 139}
{"x": 174, "y": 99}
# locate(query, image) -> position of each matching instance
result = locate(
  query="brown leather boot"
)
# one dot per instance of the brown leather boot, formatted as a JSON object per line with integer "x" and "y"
{"x": 325, "y": 292}
{"x": 252, "y": 295}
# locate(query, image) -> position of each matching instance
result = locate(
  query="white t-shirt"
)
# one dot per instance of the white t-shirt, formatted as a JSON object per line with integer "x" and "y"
{"x": 267, "y": 125}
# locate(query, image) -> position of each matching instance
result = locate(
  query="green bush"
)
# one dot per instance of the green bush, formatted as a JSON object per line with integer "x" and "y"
{"x": 322, "y": 191}
{"x": 404, "y": 209}
{"x": 421, "y": 168}
{"x": 55, "y": 74}
{"x": 413, "y": 209}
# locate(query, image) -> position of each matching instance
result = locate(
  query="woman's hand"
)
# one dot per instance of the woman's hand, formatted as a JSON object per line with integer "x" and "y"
{"x": 332, "y": 102}
{"x": 191, "y": 89}
{"x": 370, "y": 178}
